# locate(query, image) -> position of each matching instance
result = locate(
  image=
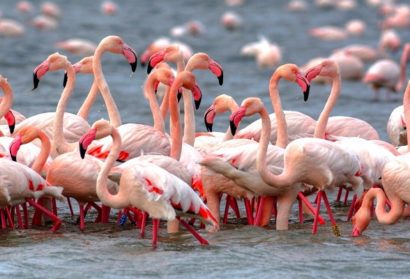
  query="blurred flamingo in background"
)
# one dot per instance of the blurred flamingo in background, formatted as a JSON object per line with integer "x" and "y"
{"x": 77, "y": 46}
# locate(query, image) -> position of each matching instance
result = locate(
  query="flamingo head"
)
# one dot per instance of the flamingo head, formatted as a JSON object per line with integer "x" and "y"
{"x": 11, "y": 121}
{"x": 116, "y": 45}
{"x": 84, "y": 66}
{"x": 292, "y": 73}
{"x": 187, "y": 80}
{"x": 327, "y": 68}
{"x": 100, "y": 129}
{"x": 209, "y": 118}
{"x": 202, "y": 61}
{"x": 361, "y": 220}
{"x": 248, "y": 107}
{"x": 54, "y": 62}
{"x": 171, "y": 53}
{"x": 14, "y": 147}
{"x": 86, "y": 140}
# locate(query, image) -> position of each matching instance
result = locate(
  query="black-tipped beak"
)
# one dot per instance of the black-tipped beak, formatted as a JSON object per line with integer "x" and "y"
{"x": 142, "y": 63}
{"x": 134, "y": 65}
{"x": 35, "y": 80}
{"x": 179, "y": 95}
{"x": 12, "y": 127}
{"x": 65, "y": 79}
{"x": 233, "y": 127}
{"x": 198, "y": 103}
{"x": 149, "y": 67}
{"x": 208, "y": 126}
{"x": 306, "y": 93}
{"x": 82, "y": 151}
{"x": 14, "y": 158}
{"x": 221, "y": 78}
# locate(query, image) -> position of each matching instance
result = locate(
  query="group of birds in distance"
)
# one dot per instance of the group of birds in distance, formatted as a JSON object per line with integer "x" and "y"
{"x": 180, "y": 175}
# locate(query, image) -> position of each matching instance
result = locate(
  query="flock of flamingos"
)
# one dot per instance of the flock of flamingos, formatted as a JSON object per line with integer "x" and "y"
{"x": 182, "y": 176}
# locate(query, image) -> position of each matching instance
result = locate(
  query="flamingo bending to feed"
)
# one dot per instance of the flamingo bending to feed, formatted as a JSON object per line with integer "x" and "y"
{"x": 395, "y": 178}
{"x": 387, "y": 73}
{"x": 145, "y": 186}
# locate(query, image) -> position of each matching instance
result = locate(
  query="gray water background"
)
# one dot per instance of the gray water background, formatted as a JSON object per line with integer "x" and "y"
{"x": 237, "y": 251}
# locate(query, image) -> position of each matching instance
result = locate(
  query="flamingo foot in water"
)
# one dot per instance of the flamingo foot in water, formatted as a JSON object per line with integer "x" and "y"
{"x": 53, "y": 217}
{"x": 201, "y": 240}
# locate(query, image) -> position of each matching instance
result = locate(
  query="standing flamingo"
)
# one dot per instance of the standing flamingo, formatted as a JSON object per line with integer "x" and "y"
{"x": 387, "y": 73}
{"x": 395, "y": 177}
{"x": 145, "y": 186}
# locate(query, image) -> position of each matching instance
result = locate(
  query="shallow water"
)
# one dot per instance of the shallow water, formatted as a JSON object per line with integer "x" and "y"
{"x": 111, "y": 251}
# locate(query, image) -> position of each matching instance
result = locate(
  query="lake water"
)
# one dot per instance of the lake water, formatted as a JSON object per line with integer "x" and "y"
{"x": 112, "y": 251}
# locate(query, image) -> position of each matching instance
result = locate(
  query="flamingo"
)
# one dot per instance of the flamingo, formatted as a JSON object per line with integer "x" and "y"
{"x": 44, "y": 22}
{"x": 231, "y": 20}
{"x": 50, "y": 9}
{"x": 267, "y": 54}
{"x": 214, "y": 182}
{"x": 389, "y": 40}
{"x": 387, "y": 73}
{"x": 395, "y": 177}
{"x": 145, "y": 186}
{"x": 24, "y": 7}
{"x": 109, "y": 8}
{"x": 77, "y": 46}
{"x": 396, "y": 127}
{"x": 11, "y": 28}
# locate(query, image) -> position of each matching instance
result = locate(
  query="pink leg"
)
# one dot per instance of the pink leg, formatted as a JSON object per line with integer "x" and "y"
{"x": 301, "y": 218}
{"x": 10, "y": 219}
{"x": 346, "y": 197}
{"x": 335, "y": 228}
{"x": 315, "y": 221}
{"x": 36, "y": 221}
{"x": 3, "y": 219}
{"x": 310, "y": 207}
{"x": 201, "y": 240}
{"x": 155, "y": 228}
{"x": 339, "y": 193}
{"x": 105, "y": 213}
{"x": 227, "y": 202}
{"x": 143, "y": 223}
{"x": 352, "y": 208}
{"x": 249, "y": 212}
{"x": 19, "y": 219}
{"x": 234, "y": 206}
{"x": 99, "y": 210}
{"x": 57, "y": 221}
{"x": 259, "y": 212}
{"x": 82, "y": 216}
{"x": 70, "y": 207}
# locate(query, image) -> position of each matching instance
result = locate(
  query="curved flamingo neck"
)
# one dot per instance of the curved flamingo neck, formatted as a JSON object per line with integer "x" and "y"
{"x": 150, "y": 94}
{"x": 60, "y": 144}
{"x": 119, "y": 200}
{"x": 113, "y": 113}
{"x": 282, "y": 137}
{"x": 403, "y": 63}
{"x": 7, "y": 100}
{"x": 85, "y": 108}
{"x": 232, "y": 106}
{"x": 406, "y": 108}
{"x": 384, "y": 217}
{"x": 189, "y": 118}
{"x": 330, "y": 103}
{"x": 282, "y": 180}
{"x": 41, "y": 159}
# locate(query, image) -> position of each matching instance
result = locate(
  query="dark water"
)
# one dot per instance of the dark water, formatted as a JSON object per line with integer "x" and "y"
{"x": 109, "y": 251}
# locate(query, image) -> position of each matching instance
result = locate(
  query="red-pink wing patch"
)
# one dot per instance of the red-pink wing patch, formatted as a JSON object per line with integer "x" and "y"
{"x": 152, "y": 188}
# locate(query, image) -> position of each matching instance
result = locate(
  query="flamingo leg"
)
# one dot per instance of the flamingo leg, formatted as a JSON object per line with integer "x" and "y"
{"x": 315, "y": 221}
{"x": 99, "y": 210}
{"x": 339, "y": 193}
{"x": 249, "y": 211}
{"x": 346, "y": 197}
{"x": 25, "y": 213}
{"x": 352, "y": 208}
{"x": 82, "y": 215}
{"x": 201, "y": 240}
{"x": 57, "y": 221}
{"x": 54, "y": 205}
{"x": 70, "y": 207}
{"x": 310, "y": 207}
{"x": 10, "y": 219}
{"x": 143, "y": 224}
{"x": 105, "y": 213}
{"x": 234, "y": 206}
{"x": 300, "y": 207}
{"x": 155, "y": 228}
{"x": 335, "y": 227}
{"x": 227, "y": 202}
{"x": 19, "y": 219}
{"x": 3, "y": 219}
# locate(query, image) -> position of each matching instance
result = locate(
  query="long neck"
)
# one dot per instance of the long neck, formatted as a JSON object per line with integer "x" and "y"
{"x": 189, "y": 118}
{"x": 233, "y": 106}
{"x": 331, "y": 102}
{"x": 7, "y": 100}
{"x": 282, "y": 180}
{"x": 384, "y": 217}
{"x": 85, "y": 108}
{"x": 153, "y": 103}
{"x": 403, "y": 64}
{"x": 119, "y": 200}
{"x": 406, "y": 108}
{"x": 282, "y": 137}
{"x": 113, "y": 113}
{"x": 60, "y": 144}
{"x": 176, "y": 138}
{"x": 44, "y": 152}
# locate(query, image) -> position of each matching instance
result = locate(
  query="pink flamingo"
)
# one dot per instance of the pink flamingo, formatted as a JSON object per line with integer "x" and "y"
{"x": 396, "y": 127}
{"x": 267, "y": 54}
{"x": 231, "y": 20}
{"x": 145, "y": 186}
{"x": 389, "y": 40}
{"x": 11, "y": 28}
{"x": 51, "y": 9}
{"x": 77, "y": 46}
{"x": 394, "y": 179}
{"x": 24, "y": 7}
{"x": 44, "y": 22}
{"x": 109, "y": 8}
{"x": 388, "y": 74}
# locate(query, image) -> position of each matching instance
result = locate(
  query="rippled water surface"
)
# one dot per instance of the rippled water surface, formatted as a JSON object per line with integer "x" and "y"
{"x": 112, "y": 251}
